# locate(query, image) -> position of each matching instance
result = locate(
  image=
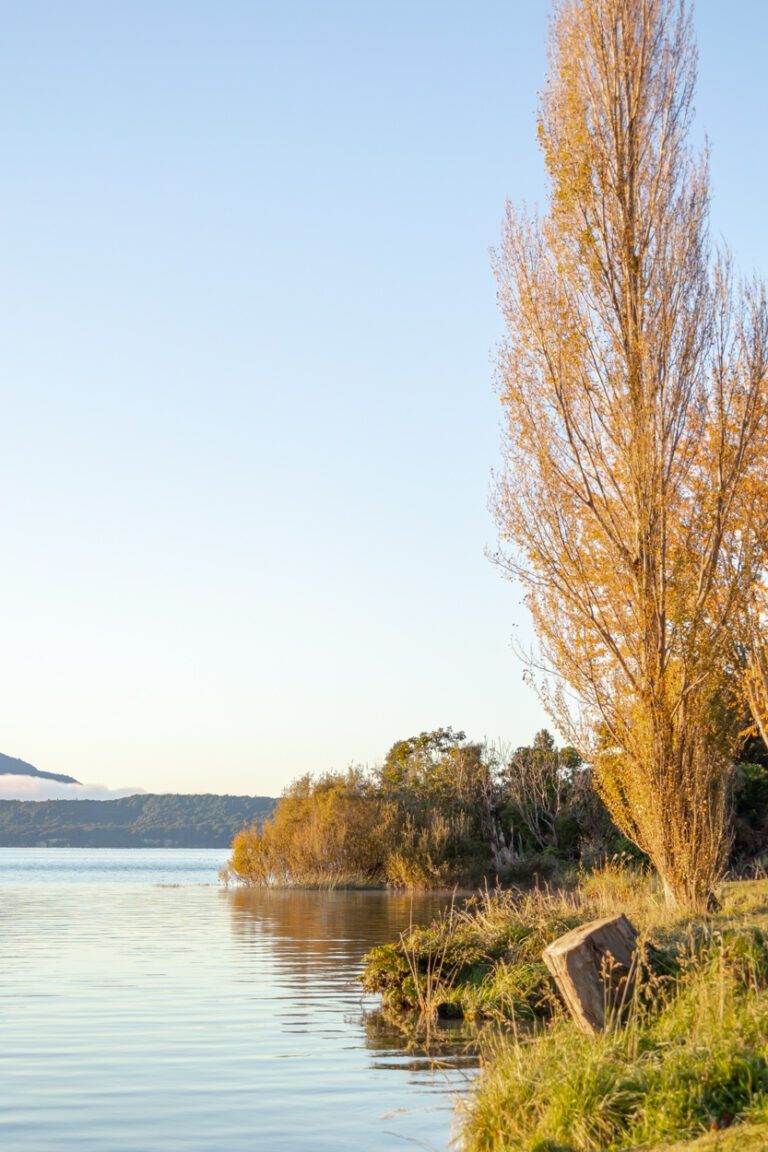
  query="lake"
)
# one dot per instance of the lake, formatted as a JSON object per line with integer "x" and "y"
{"x": 143, "y": 1008}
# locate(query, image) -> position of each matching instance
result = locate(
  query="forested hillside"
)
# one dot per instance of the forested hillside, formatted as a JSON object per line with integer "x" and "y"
{"x": 144, "y": 821}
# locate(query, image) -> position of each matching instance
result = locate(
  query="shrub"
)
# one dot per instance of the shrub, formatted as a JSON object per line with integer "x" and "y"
{"x": 442, "y": 811}
{"x": 420, "y": 821}
{"x": 323, "y": 831}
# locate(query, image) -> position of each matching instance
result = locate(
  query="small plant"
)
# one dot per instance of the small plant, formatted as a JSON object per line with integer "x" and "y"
{"x": 429, "y": 976}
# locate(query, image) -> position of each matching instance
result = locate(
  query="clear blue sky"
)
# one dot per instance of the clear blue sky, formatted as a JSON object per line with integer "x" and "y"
{"x": 245, "y": 362}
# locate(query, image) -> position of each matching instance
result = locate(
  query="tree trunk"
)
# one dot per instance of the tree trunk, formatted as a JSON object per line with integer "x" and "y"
{"x": 593, "y": 967}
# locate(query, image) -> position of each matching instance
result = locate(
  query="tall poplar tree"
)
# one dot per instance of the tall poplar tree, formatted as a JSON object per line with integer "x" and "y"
{"x": 633, "y": 380}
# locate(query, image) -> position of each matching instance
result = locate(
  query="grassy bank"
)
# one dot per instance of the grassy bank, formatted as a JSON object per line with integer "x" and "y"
{"x": 741, "y": 1138}
{"x": 482, "y": 959}
{"x": 689, "y": 1064}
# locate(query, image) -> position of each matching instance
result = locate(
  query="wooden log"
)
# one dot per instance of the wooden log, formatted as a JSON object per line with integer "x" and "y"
{"x": 592, "y": 967}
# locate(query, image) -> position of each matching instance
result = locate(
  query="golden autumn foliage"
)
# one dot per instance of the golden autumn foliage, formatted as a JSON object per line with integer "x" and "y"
{"x": 322, "y": 831}
{"x": 419, "y": 821}
{"x": 755, "y": 659}
{"x": 632, "y": 503}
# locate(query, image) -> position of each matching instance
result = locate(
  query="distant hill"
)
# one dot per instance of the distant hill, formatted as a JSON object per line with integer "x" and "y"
{"x": 10, "y": 766}
{"x": 144, "y": 821}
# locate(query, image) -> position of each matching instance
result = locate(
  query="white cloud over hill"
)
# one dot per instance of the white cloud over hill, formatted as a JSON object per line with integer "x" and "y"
{"x": 14, "y": 787}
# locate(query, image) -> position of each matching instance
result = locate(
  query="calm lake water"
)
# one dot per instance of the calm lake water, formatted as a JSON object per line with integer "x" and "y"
{"x": 145, "y": 1009}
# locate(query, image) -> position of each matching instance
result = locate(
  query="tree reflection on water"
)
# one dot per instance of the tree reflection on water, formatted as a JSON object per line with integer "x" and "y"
{"x": 314, "y": 943}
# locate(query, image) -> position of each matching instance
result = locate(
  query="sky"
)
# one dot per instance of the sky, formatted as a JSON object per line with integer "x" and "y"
{"x": 246, "y": 371}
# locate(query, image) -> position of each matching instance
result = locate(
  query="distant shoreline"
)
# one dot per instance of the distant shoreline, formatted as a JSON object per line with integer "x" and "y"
{"x": 144, "y": 820}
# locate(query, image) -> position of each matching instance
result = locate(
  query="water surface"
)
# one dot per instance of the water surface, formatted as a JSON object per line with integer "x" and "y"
{"x": 144, "y": 1008}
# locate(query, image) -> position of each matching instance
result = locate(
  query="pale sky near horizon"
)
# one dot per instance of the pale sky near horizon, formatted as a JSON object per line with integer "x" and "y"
{"x": 245, "y": 367}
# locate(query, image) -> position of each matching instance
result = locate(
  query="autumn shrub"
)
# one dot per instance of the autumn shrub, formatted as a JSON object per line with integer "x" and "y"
{"x": 442, "y": 812}
{"x": 420, "y": 821}
{"x": 323, "y": 831}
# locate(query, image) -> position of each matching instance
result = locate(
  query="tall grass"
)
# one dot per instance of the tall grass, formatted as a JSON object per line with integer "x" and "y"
{"x": 430, "y": 978}
{"x": 693, "y": 1056}
{"x": 490, "y": 948}
{"x": 688, "y": 1055}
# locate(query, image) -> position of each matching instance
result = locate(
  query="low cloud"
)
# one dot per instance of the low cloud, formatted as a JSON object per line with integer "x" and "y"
{"x": 32, "y": 788}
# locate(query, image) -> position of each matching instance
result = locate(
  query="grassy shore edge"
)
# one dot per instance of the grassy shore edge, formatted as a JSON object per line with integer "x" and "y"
{"x": 693, "y": 1053}
{"x": 739, "y": 1138}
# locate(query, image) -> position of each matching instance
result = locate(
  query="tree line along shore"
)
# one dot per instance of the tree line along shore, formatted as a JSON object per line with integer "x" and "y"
{"x": 442, "y": 812}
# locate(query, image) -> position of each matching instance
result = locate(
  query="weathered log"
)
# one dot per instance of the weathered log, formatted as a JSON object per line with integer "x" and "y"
{"x": 593, "y": 967}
